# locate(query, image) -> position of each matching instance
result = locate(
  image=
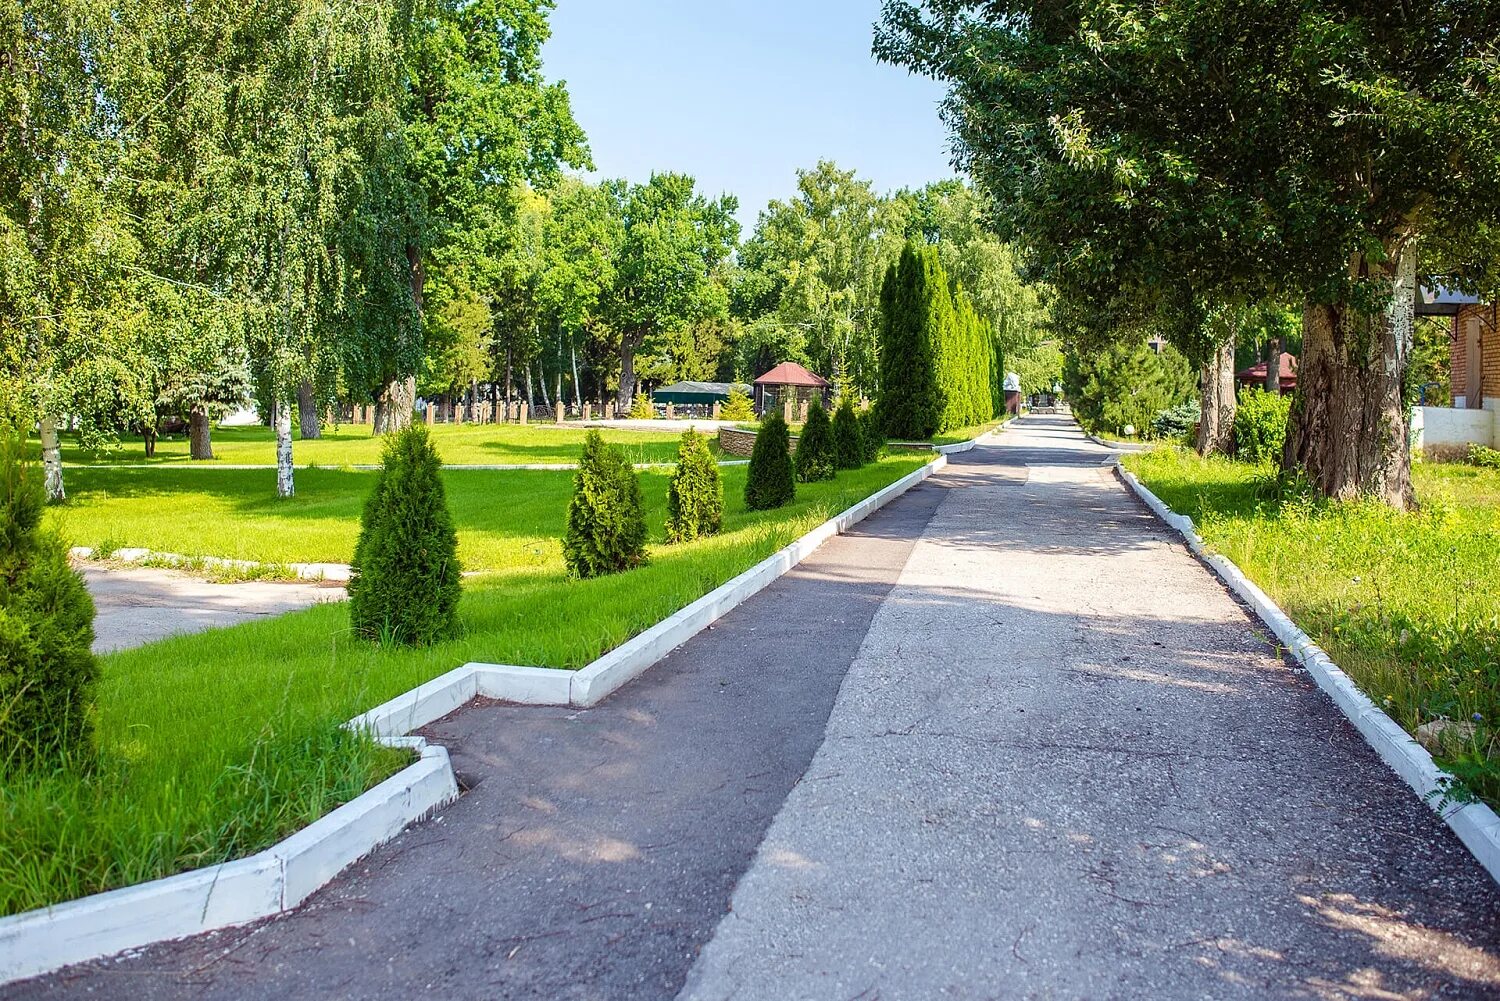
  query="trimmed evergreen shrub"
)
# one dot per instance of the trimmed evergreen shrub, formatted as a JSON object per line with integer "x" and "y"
{"x": 1176, "y": 422}
{"x": 1126, "y": 384}
{"x": 606, "y": 518}
{"x": 911, "y": 402}
{"x": 871, "y": 437}
{"x": 695, "y": 499}
{"x": 770, "y": 482}
{"x": 404, "y": 582}
{"x": 641, "y": 409}
{"x": 47, "y": 671}
{"x": 848, "y": 449}
{"x": 1260, "y": 425}
{"x": 815, "y": 459}
{"x": 737, "y": 408}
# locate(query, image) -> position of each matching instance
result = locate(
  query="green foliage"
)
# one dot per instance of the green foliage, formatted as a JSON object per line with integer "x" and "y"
{"x": 871, "y": 434}
{"x": 914, "y": 307}
{"x": 737, "y": 408}
{"x": 771, "y": 482}
{"x": 1175, "y": 423}
{"x": 404, "y": 581}
{"x": 606, "y": 518}
{"x": 848, "y": 447}
{"x": 970, "y": 367}
{"x": 815, "y": 446}
{"x": 1260, "y": 425}
{"x": 641, "y": 408}
{"x": 695, "y": 499}
{"x": 1122, "y": 385}
{"x": 1484, "y": 456}
{"x": 47, "y": 671}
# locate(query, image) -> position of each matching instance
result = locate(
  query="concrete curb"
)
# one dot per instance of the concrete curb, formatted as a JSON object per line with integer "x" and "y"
{"x": 337, "y": 572}
{"x": 1121, "y": 446}
{"x": 233, "y": 893}
{"x": 1476, "y": 825}
{"x": 283, "y": 876}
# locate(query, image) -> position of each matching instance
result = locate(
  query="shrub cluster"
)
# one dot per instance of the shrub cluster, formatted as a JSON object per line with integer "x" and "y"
{"x": 737, "y": 407}
{"x": 695, "y": 499}
{"x": 641, "y": 409}
{"x": 1483, "y": 455}
{"x": 1260, "y": 425}
{"x": 940, "y": 363}
{"x": 606, "y": 518}
{"x": 770, "y": 482}
{"x": 47, "y": 671}
{"x": 871, "y": 435}
{"x": 1177, "y": 422}
{"x": 404, "y": 582}
{"x": 848, "y": 449}
{"x": 815, "y": 458}
{"x": 1126, "y": 384}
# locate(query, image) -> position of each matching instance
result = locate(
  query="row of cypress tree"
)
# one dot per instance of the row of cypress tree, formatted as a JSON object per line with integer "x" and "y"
{"x": 940, "y": 361}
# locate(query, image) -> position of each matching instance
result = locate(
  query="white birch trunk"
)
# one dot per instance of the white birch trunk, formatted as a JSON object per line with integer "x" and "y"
{"x": 281, "y": 417}
{"x": 52, "y": 461}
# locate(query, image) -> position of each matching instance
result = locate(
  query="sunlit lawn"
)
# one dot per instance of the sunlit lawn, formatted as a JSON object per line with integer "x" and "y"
{"x": 1407, "y": 604}
{"x": 352, "y": 444}
{"x": 215, "y": 745}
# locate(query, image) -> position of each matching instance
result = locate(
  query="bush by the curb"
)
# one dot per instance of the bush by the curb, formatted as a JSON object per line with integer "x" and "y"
{"x": 606, "y": 518}
{"x": 770, "y": 482}
{"x": 47, "y": 669}
{"x": 404, "y": 581}
{"x": 737, "y": 408}
{"x": 848, "y": 449}
{"x": 871, "y": 434}
{"x": 695, "y": 499}
{"x": 815, "y": 446}
{"x": 1260, "y": 425}
{"x": 641, "y": 409}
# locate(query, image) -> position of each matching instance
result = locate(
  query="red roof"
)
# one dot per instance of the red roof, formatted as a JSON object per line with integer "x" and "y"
{"x": 789, "y": 373}
{"x": 1257, "y": 372}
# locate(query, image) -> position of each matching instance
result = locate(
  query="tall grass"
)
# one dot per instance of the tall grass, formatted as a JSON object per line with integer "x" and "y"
{"x": 216, "y": 745}
{"x": 1407, "y": 604}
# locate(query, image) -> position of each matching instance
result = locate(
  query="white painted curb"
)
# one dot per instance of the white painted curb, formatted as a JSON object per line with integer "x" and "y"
{"x": 1476, "y": 825}
{"x": 337, "y": 572}
{"x": 283, "y": 876}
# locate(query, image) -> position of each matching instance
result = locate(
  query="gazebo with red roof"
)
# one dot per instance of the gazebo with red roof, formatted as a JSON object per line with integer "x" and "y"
{"x": 1255, "y": 375}
{"x": 789, "y": 381}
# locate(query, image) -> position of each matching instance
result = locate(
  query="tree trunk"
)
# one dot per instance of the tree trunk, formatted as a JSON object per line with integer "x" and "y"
{"x": 1349, "y": 428}
{"x": 148, "y": 438}
{"x": 200, "y": 440}
{"x": 1216, "y": 416}
{"x": 281, "y": 418}
{"x": 1273, "y": 366}
{"x": 396, "y": 404}
{"x": 52, "y": 461}
{"x": 577, "y": 386}
{"x": 308, "y": 419}
{"x": 626, "y": 395}
{"x": 541, "y": 382}
{"x": 530, "y": 399}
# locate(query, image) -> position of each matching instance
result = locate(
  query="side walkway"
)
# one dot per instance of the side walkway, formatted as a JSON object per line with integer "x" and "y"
{"x": 594, "y": 851}
{"x": 1065, "y": 764}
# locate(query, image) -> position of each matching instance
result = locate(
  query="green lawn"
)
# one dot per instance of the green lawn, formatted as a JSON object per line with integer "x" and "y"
{"x": 1408, "y": 605}
{"x": 215, "y": 745}
{"x": 458, "y": 444}
{"x": 968, "y": 433}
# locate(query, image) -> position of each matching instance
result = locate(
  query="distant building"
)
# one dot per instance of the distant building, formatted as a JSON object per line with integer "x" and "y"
{"x": 1255, "y": 375}
{"x": 789, "y": 381}
{"x": 1474, "y": 344}
{"x": 704, "y": 394}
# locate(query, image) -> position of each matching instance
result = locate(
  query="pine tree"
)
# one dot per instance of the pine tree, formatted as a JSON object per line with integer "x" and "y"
{"x": 770, "y": 483}
{"x": 606, "y": 518}
{"x": 47, "y": 671}
{"x": 815, "y": 459}
{"x": 848, "y": 449}
{"x": 404, "y": 582}
{"x": 695, "y": 499}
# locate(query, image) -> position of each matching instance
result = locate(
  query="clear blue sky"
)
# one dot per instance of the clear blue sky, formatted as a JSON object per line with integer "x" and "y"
{"x": 741, "y": 94}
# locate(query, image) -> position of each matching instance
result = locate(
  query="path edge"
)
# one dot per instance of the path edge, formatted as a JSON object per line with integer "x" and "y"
{"x": 1476, "y": 825}
{"x": 281, "y": 877}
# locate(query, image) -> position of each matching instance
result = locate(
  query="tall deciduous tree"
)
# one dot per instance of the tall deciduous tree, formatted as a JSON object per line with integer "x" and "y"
{"x": 1294, "y": 148}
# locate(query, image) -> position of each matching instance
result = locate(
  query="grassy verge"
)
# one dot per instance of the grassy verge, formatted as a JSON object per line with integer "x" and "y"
{"x": 458, "y": 444}
{"x": 218, "y": 744}
{"x": 968, "y": 433}
{"x": 1407, "y": 604}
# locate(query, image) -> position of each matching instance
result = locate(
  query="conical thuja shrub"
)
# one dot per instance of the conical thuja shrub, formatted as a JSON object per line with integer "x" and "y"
{"x": 848, "y": 449}
{"x": 770, "y": 482}
{"x": 695, "y": 499}
{"x": 404, "y": 583}
{"x": 815, "y": 446}
{"x": 606, "y": 518}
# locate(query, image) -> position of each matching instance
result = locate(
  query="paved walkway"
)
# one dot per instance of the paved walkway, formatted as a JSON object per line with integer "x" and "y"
{"x": 138, "y": 605}
{"x": 1007, "y": 739}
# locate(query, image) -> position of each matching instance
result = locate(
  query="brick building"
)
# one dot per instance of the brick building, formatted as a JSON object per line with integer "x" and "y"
{"x": 1474, "y": 340}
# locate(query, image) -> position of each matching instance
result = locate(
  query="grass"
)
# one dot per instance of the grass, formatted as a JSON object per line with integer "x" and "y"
{"x": 968, "y": 433}
{"x": 458, "y": 444}
{"x": 1407, "y": 604}
{"x": 215, "y": 745}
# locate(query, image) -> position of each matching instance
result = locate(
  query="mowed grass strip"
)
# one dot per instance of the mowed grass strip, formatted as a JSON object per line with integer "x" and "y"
{"x": 354, "y": 444}
{"x": 1407, "y": 604}
{"x": 216, "y": 745}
